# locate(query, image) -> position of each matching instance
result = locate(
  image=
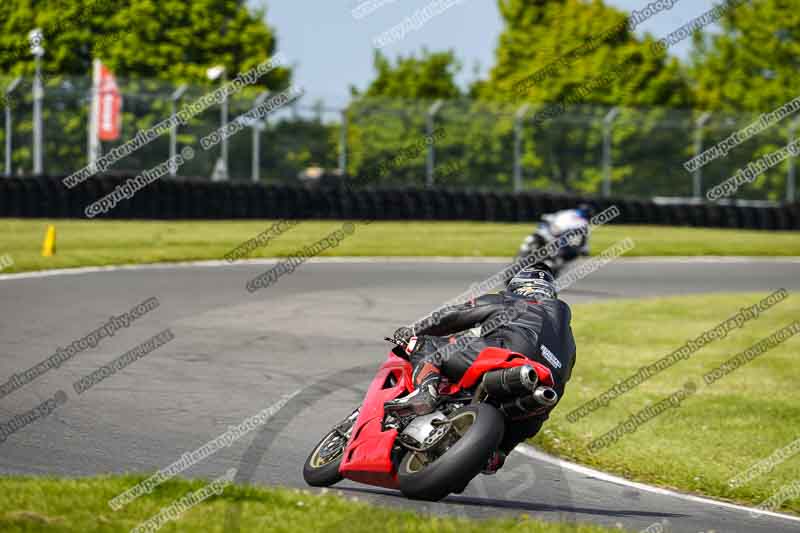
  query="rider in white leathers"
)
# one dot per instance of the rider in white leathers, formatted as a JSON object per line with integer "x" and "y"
{"x": 574, "y": 222}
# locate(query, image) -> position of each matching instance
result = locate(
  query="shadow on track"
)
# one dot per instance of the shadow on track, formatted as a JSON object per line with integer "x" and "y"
{"x": 517, "y": 505}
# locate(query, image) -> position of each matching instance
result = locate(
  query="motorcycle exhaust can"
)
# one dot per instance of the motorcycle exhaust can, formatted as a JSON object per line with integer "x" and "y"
{"x": 542, "y": 399}
{"x": 545, "y": 396}
{"x": 510, "y": 382}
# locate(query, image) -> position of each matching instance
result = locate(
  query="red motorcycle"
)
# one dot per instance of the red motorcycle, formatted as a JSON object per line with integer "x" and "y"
{"x": 430, "y": 456}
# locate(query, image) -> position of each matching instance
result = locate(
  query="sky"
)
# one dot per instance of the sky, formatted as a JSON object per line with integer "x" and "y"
{"x": 331, "y": 49}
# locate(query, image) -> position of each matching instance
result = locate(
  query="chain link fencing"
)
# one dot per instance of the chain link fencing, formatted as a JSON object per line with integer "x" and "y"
{"x": 592, "y": 150}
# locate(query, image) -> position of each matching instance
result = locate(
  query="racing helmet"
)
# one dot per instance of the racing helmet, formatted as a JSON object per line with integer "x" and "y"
{"x": 586, "y": 210}
{"x": 534, "y": 282}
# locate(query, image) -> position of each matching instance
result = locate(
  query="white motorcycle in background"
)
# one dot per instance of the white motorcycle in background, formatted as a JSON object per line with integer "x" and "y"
{"x": 572, "y": 222}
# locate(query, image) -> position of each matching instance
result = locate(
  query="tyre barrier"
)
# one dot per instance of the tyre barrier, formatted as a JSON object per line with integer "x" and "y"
{"x": 171, "y": 199}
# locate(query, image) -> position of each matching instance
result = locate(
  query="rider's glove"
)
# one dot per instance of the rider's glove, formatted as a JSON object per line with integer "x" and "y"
{"x": 401, "y": 337}
{"x": 403, "y": 334}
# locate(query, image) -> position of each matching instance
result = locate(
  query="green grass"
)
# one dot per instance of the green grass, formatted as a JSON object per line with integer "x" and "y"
{"x": 83, "y": 242}
{"x": 80, "y": 505}
{"x": 715, "y": 434}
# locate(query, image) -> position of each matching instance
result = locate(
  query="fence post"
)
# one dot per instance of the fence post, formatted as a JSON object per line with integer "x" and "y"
{"x": 431, "y": 154}
{"x": 790, "y": 176}
{"x": 92, "y": 137}
{"x": 608, "y": 122}
{"x": 519, "y": 118}
{"x": 173, "y": 130}
{"x": 221, "y": 172}
{"x": 37, "y": 40}
{"x": 8, "y": 136}
{"x": 255, "y": 173}
{"x": 697, "y": 187}
{"x": 256, "y": 170}
{"x": 10, "y": 89}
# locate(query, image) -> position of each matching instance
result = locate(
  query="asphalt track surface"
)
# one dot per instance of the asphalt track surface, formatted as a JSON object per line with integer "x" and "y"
{"x": 314, "y": 337}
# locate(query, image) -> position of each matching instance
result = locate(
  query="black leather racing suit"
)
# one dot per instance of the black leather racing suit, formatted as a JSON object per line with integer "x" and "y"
{"x": 540, "y": 330}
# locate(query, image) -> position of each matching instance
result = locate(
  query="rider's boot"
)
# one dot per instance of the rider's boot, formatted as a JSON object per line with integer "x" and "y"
{"x": 422, "y": 400}
{"x": 494, "y": 463}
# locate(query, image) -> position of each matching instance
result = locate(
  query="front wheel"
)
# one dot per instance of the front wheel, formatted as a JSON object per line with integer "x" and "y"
{"x": 475, "y": 433}
{"x": 321, "y": 469}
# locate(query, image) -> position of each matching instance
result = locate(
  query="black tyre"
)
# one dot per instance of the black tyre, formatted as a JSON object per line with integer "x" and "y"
{"x": 479, "y": 429}
{"x": 321, "y": 469}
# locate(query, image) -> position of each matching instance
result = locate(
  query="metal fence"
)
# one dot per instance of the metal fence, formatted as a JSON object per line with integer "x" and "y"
{"x": 583, "y": 149}
{"x": 290, "y": 139}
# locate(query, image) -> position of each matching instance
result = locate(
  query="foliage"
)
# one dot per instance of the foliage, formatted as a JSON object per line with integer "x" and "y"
{"x": 427, "y": 78}
{"x": 150, "y": 46}
{"x": 751, "y": 65}
{"x": 169, "y": 40}
{"x": 580, "y": 53}
{"x": 594, "y": 41}
{"x": 390, "y": 116}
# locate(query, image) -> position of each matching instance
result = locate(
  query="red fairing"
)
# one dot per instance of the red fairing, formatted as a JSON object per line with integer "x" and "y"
{"x": 367, "y": 457}
{"x": 495, "y": 358}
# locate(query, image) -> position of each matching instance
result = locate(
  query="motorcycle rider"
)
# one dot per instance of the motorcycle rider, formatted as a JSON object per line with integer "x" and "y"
{"x": 539, "y": 329}
{"x": 558, "y": 223}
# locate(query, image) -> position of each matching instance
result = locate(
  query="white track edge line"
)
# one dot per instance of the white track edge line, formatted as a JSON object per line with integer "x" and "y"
{"x": 388, "y": 259}
{"x": 533, "y": 453}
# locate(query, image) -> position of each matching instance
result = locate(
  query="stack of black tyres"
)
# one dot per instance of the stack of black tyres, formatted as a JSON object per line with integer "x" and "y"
{"x": 167, "y": 199}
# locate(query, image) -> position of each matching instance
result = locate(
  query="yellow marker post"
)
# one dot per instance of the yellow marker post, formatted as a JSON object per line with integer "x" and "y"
{"x": 49, "y": 244}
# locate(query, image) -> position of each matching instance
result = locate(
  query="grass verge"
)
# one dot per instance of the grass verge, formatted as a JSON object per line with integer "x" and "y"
{"x": 713, "y": 435}
{"x": 102, "y": 242}
{"x": 80, "y": 505}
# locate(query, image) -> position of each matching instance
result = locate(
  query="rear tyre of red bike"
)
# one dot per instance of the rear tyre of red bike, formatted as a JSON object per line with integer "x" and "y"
{"x": 477, "y": 432}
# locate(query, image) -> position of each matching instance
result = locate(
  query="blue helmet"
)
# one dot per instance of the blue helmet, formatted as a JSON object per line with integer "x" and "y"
{"x": 586, "y": 210}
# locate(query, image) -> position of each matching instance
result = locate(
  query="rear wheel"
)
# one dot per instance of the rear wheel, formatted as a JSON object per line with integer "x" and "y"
{"x": 475, "y": 433}
{"x": 321, "y": 469}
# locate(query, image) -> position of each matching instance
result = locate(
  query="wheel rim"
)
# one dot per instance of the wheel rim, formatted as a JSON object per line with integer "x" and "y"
{"x": 462, "y": 422}
{"x": 417, "y": 461}
{"x": 332, "y": 446}
{"x": 329, "y": 450}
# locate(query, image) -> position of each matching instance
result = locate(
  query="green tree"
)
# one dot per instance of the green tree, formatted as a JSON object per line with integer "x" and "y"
{"x": 429, "y": 77}
{"x": 294, "y": 144}
{"x": 749, "y": 64}
{"x": 472, "y": 138}
{"x": 169, "y": 40}
{"x": 582, "y": 53}
{"x": 390, "y": 115}
{"x": 594, "y": 39}
{"x": 150, "y": 46}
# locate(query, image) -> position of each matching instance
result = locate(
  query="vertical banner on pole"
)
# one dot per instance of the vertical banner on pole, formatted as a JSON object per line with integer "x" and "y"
{"x": 105, "y": 117}
{"x": 109, "y": 110}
